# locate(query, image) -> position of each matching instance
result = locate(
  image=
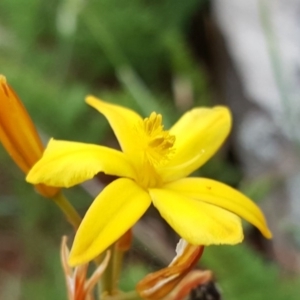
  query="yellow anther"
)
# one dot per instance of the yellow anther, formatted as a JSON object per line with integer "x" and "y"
{"x": 156, "y": 142}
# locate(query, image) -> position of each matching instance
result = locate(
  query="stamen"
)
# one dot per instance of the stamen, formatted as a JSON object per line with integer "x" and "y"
{"x": 157, "y": 143}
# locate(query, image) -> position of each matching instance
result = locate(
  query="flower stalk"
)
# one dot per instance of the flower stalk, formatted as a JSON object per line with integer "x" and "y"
{"x": 112, "y": 274}
{"x": 68, "y": 210}
{"x": 108, "y": 285}
{"x": 121, "y": 246}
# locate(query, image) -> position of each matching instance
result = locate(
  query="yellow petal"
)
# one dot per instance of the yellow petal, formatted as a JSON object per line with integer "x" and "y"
{"x": 199, "y": 133}
{"x": 69, "y": 163}
{"x": 222, "y": 195}
{"x": 122, "y": 120}
{"x": 197, "y": 222}
{"x": 114, "y": 211}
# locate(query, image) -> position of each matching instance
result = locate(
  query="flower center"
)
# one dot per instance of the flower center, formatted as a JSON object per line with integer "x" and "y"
{"x": 157, "y": 143}
{"x": 154, "y": 149}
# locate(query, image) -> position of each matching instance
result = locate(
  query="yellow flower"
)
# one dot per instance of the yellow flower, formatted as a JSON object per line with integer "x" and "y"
{"x": 152, "y": 167}
{"x": 18, "y": 134}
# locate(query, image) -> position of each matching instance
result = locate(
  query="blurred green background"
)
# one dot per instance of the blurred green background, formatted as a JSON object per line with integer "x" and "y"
{"x": 141, "y": 54}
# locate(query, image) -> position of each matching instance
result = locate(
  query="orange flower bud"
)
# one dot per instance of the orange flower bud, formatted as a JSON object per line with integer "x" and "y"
{"x": 158, "y": 284}
{"x": 18, "y": 134}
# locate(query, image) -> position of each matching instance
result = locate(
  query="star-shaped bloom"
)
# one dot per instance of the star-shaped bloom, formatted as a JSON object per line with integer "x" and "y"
{"x": 153, "y": 167}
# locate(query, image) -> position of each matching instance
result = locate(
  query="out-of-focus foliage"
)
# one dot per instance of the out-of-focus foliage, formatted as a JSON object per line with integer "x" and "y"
{"x": 108, "y": 44}
{"x": 135, "y": 53}
{"x": 246, "y": 274}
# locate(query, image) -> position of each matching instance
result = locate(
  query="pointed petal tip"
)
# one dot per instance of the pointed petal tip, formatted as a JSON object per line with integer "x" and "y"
{"x": 82, "y": 254}
{"x": 267, "y": 233}
{"x": 79, "y": 256}
{"x": 90, "y": 98}
{"x": 32, "y": 177}
{"x": 29, "y": 178}
{"x": 224, "y": 113}
{"x": 3, "y": 79}
{"x": 93, "y": 101}
{"x": 75, "y": 260}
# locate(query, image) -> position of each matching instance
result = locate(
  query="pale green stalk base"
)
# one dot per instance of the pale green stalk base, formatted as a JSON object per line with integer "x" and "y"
{"x": 108, "y": 285}
{"x": 117, "y": 265}
{"x": 68, "y": 210}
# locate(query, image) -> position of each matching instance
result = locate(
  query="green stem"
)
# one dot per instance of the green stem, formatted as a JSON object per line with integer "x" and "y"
{"x": 68, "y": 210}
{"x": 107, "y": 280}
{"x": 117, "y": 265}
